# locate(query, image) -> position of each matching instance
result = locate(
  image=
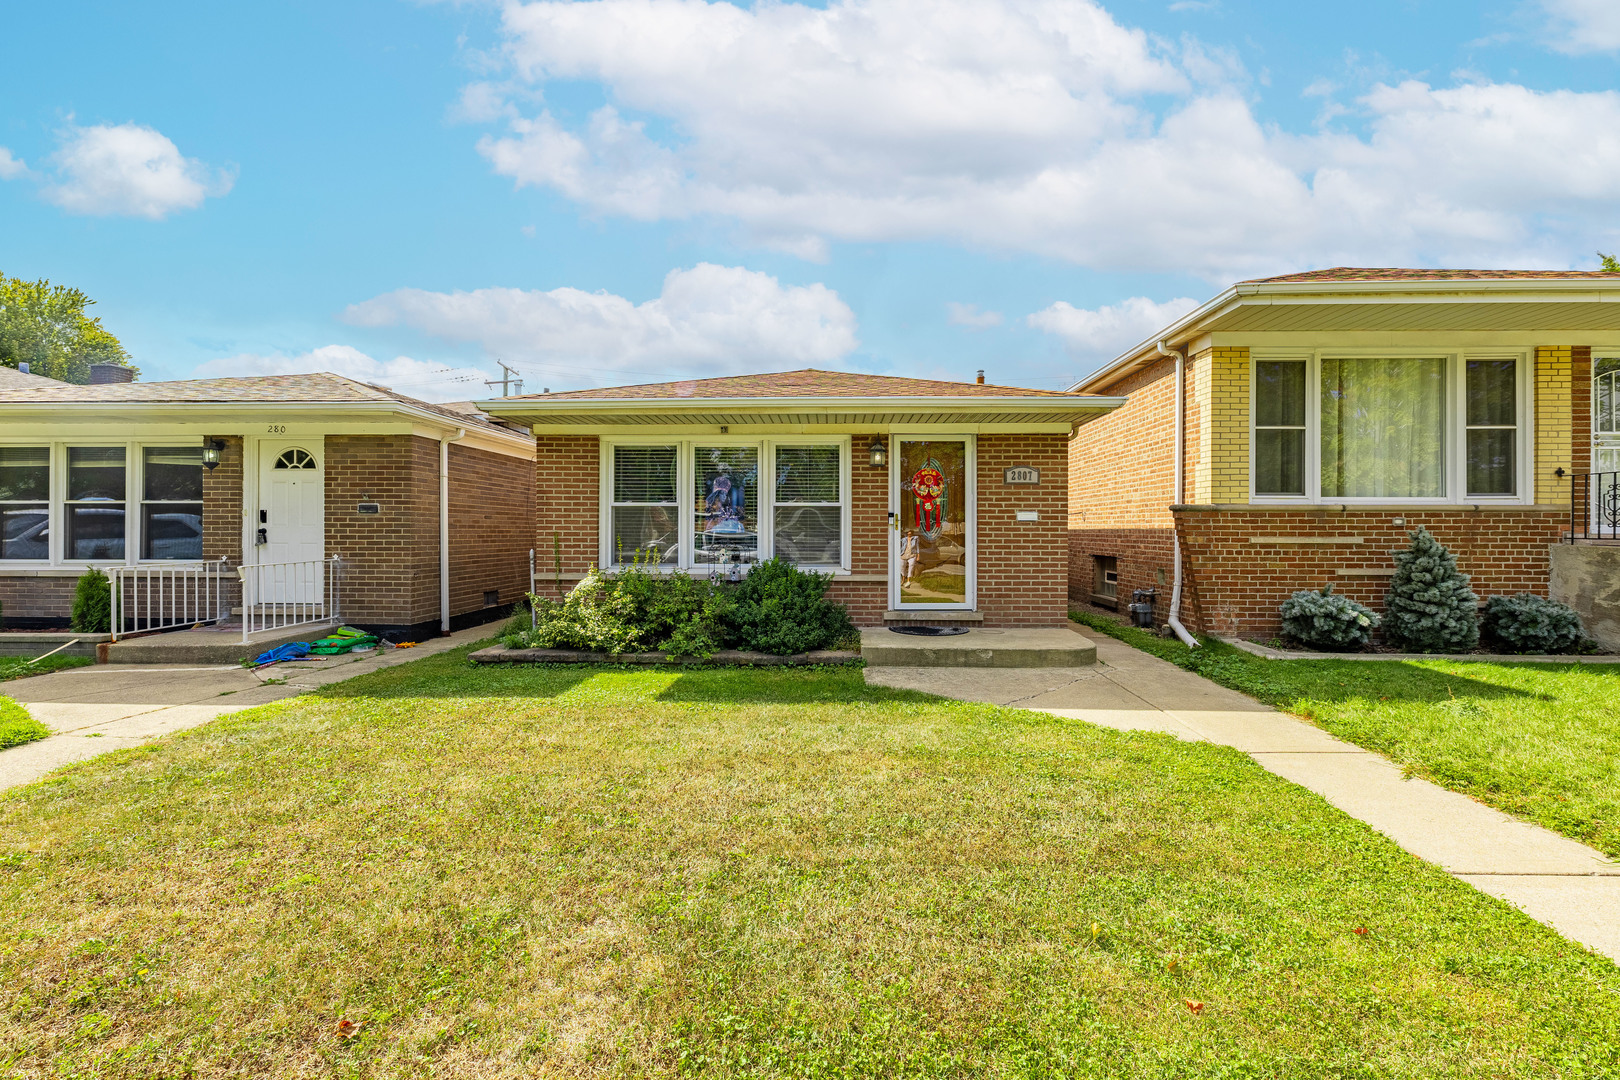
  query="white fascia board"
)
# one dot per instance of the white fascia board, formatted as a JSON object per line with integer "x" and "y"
{"x": 538, "y": 409}
{"x": 237, "y": 412}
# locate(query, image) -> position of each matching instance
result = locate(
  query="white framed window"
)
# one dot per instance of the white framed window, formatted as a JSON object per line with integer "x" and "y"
{"x": 86, "y": 501}
{"x": 1346, "y": 426}
{"x": 705, "y": 504}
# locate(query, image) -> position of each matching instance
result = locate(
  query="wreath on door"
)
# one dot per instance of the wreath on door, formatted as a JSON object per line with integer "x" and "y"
{"x": 928, "y": 498}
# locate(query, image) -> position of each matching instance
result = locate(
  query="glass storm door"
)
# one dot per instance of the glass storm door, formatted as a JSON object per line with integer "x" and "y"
{"x": 931, "y": 562}
{"x": 1606, "y": 446}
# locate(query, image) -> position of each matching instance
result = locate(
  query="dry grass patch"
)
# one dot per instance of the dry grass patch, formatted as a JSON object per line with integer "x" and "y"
{"x": 582, "y": 872}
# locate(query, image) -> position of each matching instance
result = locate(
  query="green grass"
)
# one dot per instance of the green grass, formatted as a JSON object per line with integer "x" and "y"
{"x": 610, "y": 872}
{"x": 18, "y": 667}
{"x": 16, "y": 726}
{"x": 1538, "y": 740}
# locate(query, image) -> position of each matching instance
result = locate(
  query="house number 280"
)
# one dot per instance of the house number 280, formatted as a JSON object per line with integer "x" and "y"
{"x": 276, "y": 429}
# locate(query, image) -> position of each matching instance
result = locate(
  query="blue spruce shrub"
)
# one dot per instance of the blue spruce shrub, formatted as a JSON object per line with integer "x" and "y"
{"x": 1430, "y": 606}
{"x": 1324, "y": 620}
{"x": 1532, "y": 624}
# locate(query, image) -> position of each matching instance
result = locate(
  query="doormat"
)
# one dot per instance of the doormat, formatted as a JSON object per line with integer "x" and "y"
{"x": 930, "y": 631}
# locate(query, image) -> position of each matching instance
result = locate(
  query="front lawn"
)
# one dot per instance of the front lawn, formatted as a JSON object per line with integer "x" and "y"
{"x": 16, "y": 726}
{"x": 18, "y": 667}
{"x": 597, "y": 871}
{"x": 1534, "y": 739}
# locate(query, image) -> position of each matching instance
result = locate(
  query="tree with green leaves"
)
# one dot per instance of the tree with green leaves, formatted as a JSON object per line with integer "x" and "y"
{"x": 46, "y": 327}
{"x": 1610, "y": 265}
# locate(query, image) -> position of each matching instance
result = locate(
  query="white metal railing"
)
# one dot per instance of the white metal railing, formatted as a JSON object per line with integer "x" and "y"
{"x": 278, "y": 596}
{"x": 148, "y": 598}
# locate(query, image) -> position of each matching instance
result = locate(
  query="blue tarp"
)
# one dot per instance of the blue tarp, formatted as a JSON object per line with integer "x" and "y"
{"x": 293, "y": 650}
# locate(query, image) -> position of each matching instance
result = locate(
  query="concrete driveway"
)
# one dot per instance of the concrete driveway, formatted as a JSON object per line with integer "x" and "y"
{"x": 92, "y": 710}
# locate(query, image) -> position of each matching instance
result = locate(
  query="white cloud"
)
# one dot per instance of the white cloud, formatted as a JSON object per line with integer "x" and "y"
{"x": 1583, "y": 26}
{"x": 970, "y": 316}
{"x": 710, "y": 319}
{"x": 1036, "y": 126}
{"x": 129, "y": 170}
{"x": 1101, "y": 333}
{"x": 11, "y": 167}
{"x": 416, "y": 378}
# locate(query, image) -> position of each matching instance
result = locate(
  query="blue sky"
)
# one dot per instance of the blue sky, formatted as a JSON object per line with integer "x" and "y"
{"x": 623, "y": 190}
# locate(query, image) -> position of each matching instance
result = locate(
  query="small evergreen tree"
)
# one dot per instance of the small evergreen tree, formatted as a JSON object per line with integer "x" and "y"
{"x": 92, "y": 604}
{"x": 1430, "y": 607}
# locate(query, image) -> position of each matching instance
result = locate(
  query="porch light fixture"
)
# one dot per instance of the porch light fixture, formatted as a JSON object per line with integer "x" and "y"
{"x": 879, "y": 453}
{"x": 211, "y": 454}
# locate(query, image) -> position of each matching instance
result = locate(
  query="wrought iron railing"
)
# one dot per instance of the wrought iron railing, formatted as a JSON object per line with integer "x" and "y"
{"x": 1594, "y": 506}
{"x": 280, "y": 596}
{"x": 150, "y": 598}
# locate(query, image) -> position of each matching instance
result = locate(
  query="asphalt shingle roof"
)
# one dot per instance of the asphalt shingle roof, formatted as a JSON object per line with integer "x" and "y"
{"x": 12, "y": 379}
{"x": 808, "y": 382}
{"x": 317, "y": 388}
{"x": 1389, "y": 273}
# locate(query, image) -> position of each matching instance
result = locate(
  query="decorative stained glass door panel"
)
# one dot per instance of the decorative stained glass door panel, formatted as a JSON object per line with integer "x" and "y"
{"x": 932, "y": 542}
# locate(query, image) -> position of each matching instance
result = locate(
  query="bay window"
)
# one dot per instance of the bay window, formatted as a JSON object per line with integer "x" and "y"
{"x": 706, "y": 505}
{"x": 1420, "y": 428}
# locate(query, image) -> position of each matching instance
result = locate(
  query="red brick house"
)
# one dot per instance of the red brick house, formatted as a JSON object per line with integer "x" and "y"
{"x": 429, "y": 508}
{"x": 1291, "y": 431}
{"x": 926, "y": 500}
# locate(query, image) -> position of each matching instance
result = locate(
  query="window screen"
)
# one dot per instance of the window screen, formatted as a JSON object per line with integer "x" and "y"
{"x": 645, "y": 512}
{"x": 25, "y": 492}
{"x": 808, "y": 508}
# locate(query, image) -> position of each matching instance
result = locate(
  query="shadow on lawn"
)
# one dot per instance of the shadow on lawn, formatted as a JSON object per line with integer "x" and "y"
{"x": 784, "y": 686}
{"x": 1391, "y": 680}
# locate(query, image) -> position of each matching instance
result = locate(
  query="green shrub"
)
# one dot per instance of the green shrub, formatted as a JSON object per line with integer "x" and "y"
{"x": 632, "y": 611}
{"x": 1324, "y": 620}
{"x": 16, "y": 726}
{"x": 1430, "y": 606}
{"x": 92, "y": 604}
{"x": 781, "y": 609}
{"x": 1532, "y": 624}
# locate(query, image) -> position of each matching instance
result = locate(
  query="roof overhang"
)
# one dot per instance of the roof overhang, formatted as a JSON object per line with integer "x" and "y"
{"x": 241, "y": 414}
{"x": 873, "y": 413}
{"x": 1494, "y": 305}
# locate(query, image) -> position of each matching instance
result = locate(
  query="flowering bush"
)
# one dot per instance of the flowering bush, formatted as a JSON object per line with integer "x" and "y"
{"x": 1324, "y": 620}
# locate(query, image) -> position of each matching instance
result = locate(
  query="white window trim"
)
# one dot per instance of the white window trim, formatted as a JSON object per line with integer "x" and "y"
{"x": 134, "y": 489}
{"x": 685, "y": 497}
{"x": 1455, "y": 436}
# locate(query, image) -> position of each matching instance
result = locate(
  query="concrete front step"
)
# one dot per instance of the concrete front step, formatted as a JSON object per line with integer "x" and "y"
{"x": 206, "y": 645}
{"x": 882, "y": 647}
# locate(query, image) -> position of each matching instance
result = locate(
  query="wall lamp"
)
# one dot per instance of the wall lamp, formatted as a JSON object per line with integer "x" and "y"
{"x": 879, "y": 453}
{"x": 211, "y": 454}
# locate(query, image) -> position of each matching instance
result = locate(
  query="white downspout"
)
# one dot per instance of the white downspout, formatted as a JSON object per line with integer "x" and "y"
{"x": 444, "y": 528}
{"x": 1174, "y": 619}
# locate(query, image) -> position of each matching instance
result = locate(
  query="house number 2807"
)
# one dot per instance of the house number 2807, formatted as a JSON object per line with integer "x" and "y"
{"x": 276, "y": 429}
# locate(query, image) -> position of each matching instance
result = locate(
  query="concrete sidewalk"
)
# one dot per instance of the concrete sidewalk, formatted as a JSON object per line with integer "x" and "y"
{"x": 1566, "y": 885}
{"x": 92, "y": 710}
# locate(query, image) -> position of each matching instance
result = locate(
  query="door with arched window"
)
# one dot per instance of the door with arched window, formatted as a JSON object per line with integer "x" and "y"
{"x": 291, "y": 526}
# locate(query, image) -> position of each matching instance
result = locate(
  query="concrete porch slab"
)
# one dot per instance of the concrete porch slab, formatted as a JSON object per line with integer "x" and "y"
{"x": 1056, "y": 648}
{"x": 207, "y": 645}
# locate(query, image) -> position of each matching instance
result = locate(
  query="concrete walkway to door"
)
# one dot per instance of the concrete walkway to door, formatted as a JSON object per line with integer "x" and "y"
{"x": 1572, "y": 888}
{"x": 92, "y": 710}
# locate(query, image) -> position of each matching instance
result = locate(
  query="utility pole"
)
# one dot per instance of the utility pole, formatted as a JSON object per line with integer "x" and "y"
{"x": 503, "y": 383}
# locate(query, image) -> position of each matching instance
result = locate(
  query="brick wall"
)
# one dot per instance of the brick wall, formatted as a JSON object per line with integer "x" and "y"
{"x": 1023, "y": 565}
{"x": 869, "y": 539}
{"x": 1121, "y": 481}
{"x": 1581, "y": 408}
{"x": 491, "y": 527}
{"x": 36, "y": 603}
{"x": 1555, "y": 433}
{"x": 222, "y": 503}
{"x": 1233, "y": 585}
{"x": 391, "y": 558}
{"x": 567, "y": 490}
{"x": 1223, "y": 472}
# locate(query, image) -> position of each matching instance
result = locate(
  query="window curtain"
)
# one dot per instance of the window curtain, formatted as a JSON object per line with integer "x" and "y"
{"x": 1383, "y": 428}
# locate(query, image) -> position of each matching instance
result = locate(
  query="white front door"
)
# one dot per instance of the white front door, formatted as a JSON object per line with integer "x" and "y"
{"x": 1605, "y": 486}
{"x": 290, "y": 532}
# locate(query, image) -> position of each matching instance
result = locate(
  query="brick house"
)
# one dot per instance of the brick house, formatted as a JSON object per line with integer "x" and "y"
{"x": 1323, "y": 415}
{"x": 276, "y": 471}
{"x": 927, "y": 501}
